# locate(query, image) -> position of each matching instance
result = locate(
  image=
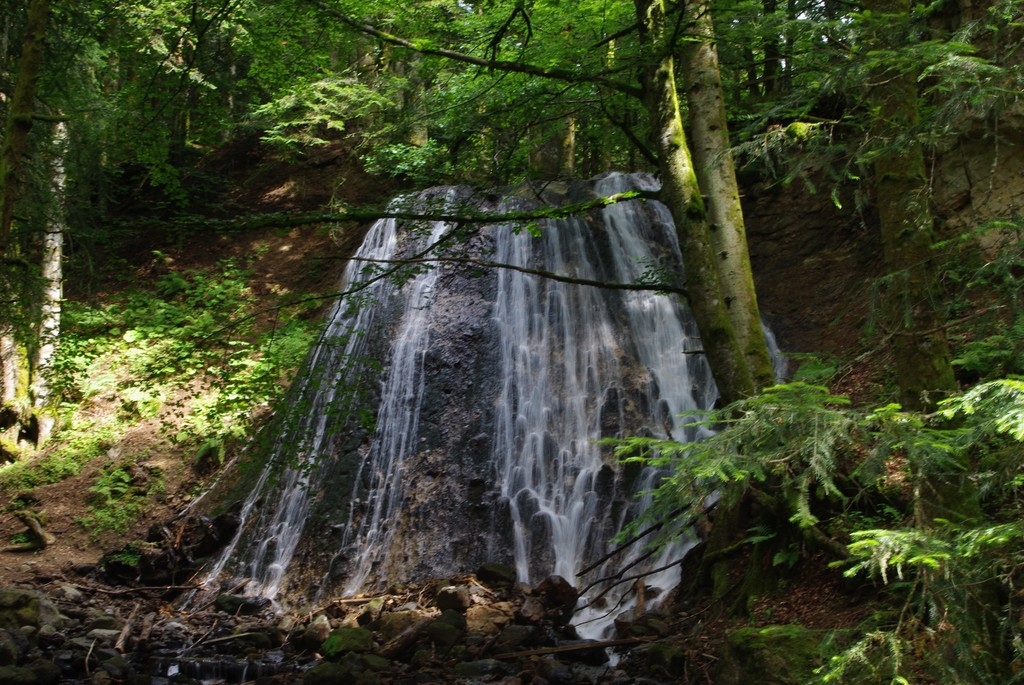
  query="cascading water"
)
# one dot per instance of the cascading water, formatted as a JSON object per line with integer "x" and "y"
{"x": 496, "y": 387}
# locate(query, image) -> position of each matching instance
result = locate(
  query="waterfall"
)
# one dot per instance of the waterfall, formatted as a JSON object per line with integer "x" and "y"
{"x": 490, "y": 390}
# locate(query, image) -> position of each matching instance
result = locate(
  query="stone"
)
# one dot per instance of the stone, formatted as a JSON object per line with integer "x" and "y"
{"x": 665, "y": 660}
{"x": 345, "y": 640}
{"x": 328, "y": 673}
{"x": 117, "y": 667}
{"x": 532, "y": 610}
{"x": 70, "y": 592}
{"x": 556, "y": 591}
{"x": 483, "y": 668}
{"x": 648, "y": 625}
{"x": 554, "y": 671}
{"x": 455, "y": 597}
{"x": 514, "y": 637}
{"x": 489, "y": 619}
{"x": 11, "y": 648}
{"x": 315, "y": 633}
{"x": 392, "y": 624}
{"x": 240, "y": 605}
{"x": 46, "y": 672}
{"x": 15, "y": 675}
{"x": 26, "y": 608}
{"x": 444, "y": 635}
{"x": 104, "y": 635}
{"x": 491, "y": 572}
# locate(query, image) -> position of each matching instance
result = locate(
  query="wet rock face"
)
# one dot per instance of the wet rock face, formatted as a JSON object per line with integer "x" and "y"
{"x": 474, "y": 438}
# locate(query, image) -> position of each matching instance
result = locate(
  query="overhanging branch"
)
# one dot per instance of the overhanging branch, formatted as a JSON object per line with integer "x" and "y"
{"x": 424, "y": 48}
{"x": 294, "y": 220}
{"x": 550, "y": 275}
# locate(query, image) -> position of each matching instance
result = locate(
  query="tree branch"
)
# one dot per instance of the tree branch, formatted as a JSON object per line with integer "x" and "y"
{"x": 550, "y": 275}
{"x": 425, "y": 48}
{"x": 293, "y": 220}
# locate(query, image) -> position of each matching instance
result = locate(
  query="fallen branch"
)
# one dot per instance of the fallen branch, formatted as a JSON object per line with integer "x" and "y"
{"x": 123, "y": 637}
{"x": 540, "y": 651}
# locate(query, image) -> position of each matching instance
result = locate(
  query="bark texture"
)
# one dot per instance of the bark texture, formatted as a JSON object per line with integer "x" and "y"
{"x": 716, "y": 176}
{"x": 681, "y": 192}
{"x": 20, "y": 115}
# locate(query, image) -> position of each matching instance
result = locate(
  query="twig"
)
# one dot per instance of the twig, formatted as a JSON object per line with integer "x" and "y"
{"x": 575, "y": 648}
{"x": 123, "y": 637}
{"x": 639, "y": 536}
{"x": 232, "y": 591}
{"x": 88, "y": 655}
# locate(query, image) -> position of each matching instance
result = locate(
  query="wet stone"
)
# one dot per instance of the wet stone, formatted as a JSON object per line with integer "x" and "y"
{"x": 455, "y": 597}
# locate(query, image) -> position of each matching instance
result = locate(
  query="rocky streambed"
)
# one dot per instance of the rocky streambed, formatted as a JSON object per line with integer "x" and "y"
{"x": 479, "y": 628}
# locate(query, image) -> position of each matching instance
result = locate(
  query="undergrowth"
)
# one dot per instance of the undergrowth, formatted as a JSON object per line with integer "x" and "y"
{"x": 189, "y": 353}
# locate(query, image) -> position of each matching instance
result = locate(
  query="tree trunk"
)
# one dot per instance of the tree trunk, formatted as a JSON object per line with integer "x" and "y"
{"x": 921, "y": 353}
{"x": 51, "y": 273}
{"x": 20, "y": 116}
{"x": 681, "y": 193}
{"x": 716, "y": 176}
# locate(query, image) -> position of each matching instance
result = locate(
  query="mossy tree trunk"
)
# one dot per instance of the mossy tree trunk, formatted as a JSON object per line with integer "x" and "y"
{"x": 716, "y": 176}
{"x": 707, "y": 283}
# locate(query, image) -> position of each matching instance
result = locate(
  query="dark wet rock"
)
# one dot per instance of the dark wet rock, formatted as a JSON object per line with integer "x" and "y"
{"x": 117, "y": 667}
{"x": 327, "y": 673}
{"x": 559, "y": 597}
{"x": 555, "y": 672}
{"x": 491, "y": 572}
{"x": 447, "y": 631}
{"x": 455, "y": 597}
{"x": 315, "y": 633}
{"x": 557, "y": 591}
{"x": 239, "y": 605}
{"x": 13, "y": 646}
{"x": 515, "y": 637}
{"x": 483, "y": 668}
{"x": 665, "y": 660}
{"x": 648, "y": 625}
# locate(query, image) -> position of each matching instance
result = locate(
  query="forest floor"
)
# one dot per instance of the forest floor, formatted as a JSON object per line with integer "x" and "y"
{"x": 813, "y": 265}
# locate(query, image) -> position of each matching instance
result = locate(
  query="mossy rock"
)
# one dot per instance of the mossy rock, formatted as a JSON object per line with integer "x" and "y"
{"x": 345, "y": 640}
{"x": 25, "y": 608}
{"x": 327, "y": 673}
{"x": 665, "y": 660}
{"x": 771, "y": 655}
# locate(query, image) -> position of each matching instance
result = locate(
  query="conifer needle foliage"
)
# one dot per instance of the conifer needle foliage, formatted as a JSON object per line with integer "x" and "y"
{"x": 946, "y": 553}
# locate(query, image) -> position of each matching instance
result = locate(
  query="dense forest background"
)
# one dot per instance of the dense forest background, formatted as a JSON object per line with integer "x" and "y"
{"x": 173, "y": 175}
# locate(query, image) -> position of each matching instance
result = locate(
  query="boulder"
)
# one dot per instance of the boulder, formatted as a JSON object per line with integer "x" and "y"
{"x": 20, "y": 608}
{"x": 489, "y": 619}
{"x": 455, "y": 597}
{"x": 345, "y": 640}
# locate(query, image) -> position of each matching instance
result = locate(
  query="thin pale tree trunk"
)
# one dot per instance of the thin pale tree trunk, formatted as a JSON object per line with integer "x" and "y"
{"x": 52, "y": 277}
